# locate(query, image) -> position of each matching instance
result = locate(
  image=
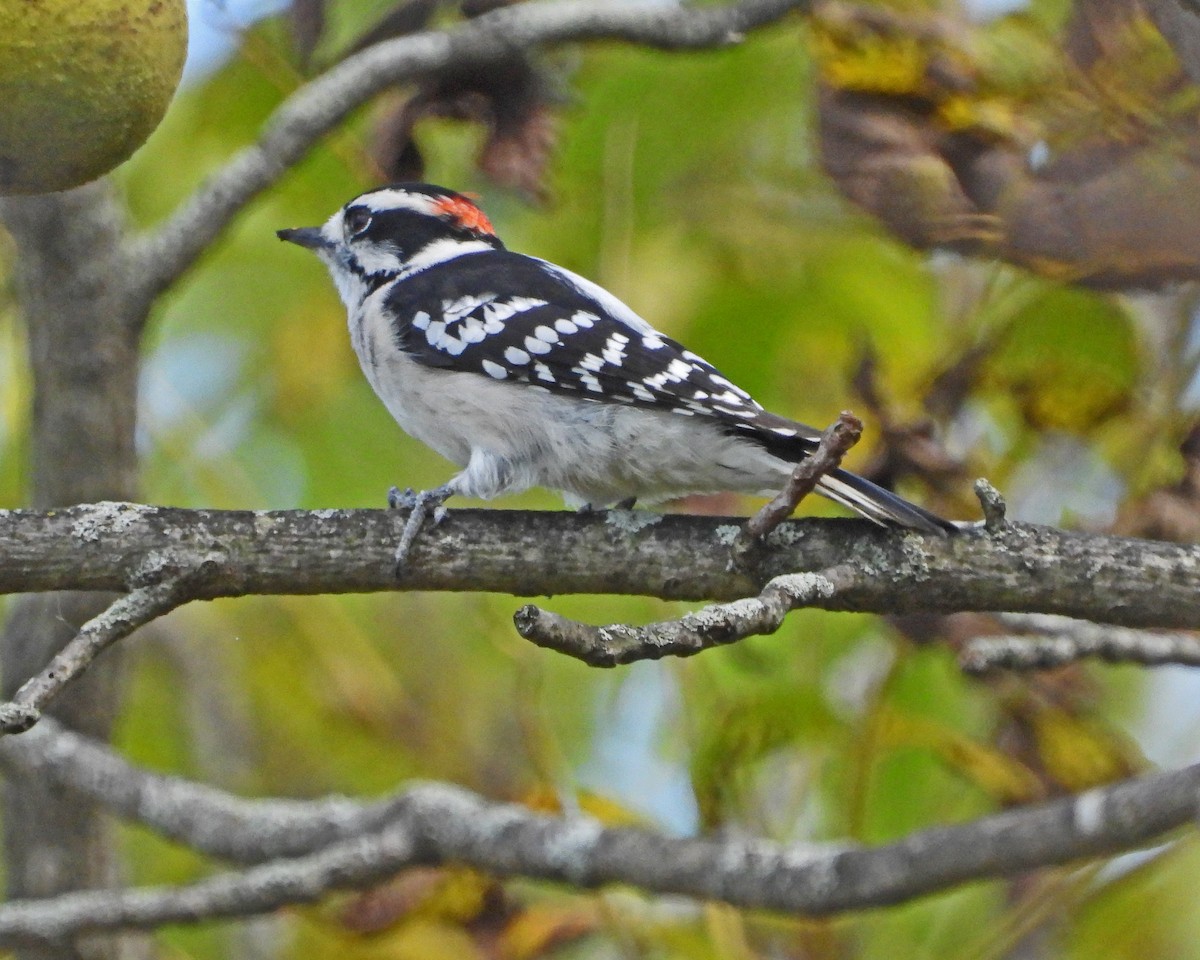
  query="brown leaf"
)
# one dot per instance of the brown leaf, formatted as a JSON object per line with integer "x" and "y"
{"x": 458, "y": 895}
{"x": 513, "y": 101}
{"x": 308, "y": 26}
{"x": 924, "y": 132}
{"x": 393, "y": 151}
{"x": 517, "y": 152}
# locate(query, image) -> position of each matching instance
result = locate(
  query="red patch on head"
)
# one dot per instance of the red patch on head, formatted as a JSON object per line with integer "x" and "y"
{"x": 464, "y": 214}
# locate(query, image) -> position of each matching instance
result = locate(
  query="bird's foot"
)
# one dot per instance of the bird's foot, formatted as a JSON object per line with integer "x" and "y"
{"x": 421, "y": 505}
{"x": 627, "y": 504}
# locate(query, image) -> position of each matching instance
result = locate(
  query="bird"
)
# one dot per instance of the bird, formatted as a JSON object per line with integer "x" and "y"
{"x": 525, "y": 374}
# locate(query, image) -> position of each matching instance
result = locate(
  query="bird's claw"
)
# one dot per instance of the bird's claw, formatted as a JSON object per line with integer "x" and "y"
{"x": 424, "y": 505}
{"x": 589, "y": 508}
{"x": 398, "y": 499}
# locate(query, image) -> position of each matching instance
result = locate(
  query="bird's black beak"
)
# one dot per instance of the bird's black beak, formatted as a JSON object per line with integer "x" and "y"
{"x": 310, "y": 237}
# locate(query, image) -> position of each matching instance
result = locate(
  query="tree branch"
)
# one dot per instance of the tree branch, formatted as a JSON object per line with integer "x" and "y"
{"x": 1047, "y": 641}
{"x": 433, "y": 824}
{"x": 690, "y": 634}
{"x": 208, "y": 820}
{"x": 1020, "y": 567}
{"x": 312, "y": 111}
{"x": 114, "y": 623}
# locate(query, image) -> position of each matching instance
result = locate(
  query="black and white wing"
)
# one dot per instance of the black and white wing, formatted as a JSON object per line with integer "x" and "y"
{"x": 569, "y": 336}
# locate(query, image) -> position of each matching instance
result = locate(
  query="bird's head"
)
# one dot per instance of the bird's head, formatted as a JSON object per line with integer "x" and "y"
{"x": 392, "y": 232}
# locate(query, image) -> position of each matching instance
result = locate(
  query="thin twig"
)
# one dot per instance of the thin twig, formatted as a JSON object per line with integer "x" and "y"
{"x": 1063, "y": 640}
{"x": 117, "y": 621}
{"x": 156, "y": 260}
{"x": 715, "y": 625}
{"x": 995, "y": 510}
{"x": 358, "y": 862}
{"x": 834, "y": 444}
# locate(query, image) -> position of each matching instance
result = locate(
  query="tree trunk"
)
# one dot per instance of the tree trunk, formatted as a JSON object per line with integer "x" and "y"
{"x": 83, "y": 353}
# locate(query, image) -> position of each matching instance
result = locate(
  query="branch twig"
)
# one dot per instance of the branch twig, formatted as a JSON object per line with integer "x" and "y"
{"x": 1063, "y": 640}
{"x": 719, "y": 624}
{"x": 834, "y": 444}
{"x": 995, "y": 510}
{"x": 117, "y": 621}
{"x": 315, "y": 109}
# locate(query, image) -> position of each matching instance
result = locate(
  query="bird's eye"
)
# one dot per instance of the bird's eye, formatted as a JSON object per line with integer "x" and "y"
{"x": 356, "y": 221}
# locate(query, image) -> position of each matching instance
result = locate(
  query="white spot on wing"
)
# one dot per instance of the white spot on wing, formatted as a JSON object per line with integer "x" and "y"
{"x": 472, "y": 332}
{"x": 614, "y": 349}
{"x": 721, "y": 381}
{"x": 678, "y": 370}
{"x": 499, "y": 311}
{"x": 457, "y": 309}
{"x": 565, "y": 326}
{"x": 590, "y": 383}
{"x": 516, "y": 356}
{"x": 534, "y": 345}
{"x": 728, "y": 397}
{"x": 494, "y": 370}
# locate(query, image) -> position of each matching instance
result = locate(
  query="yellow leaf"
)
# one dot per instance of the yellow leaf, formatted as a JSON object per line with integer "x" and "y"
{"x": 539, "y": 929}
{"x": 1077, "y": 753}
{"x": 993, "y": 771}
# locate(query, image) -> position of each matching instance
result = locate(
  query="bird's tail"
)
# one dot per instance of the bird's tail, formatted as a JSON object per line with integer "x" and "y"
{"x": 882, "y": 506}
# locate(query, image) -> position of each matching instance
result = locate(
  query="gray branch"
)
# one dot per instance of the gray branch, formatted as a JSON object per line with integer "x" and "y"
{"x": 316, "y": 108}
{"x": 114, "y": 623}
{"x": 202, "y": 817}
{"x": 1018, "y": 567}
{"x": 351, "y": 863}
{"x": 1047, "y": 641}
{"x": 714, "y": 626}
{"x": 433, "y": 824}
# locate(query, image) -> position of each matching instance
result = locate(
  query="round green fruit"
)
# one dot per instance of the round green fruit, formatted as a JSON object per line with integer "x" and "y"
{"x": 83, "y": 83}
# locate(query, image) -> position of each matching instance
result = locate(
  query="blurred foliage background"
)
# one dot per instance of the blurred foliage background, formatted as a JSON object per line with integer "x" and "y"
{"x": 691, "y": 185}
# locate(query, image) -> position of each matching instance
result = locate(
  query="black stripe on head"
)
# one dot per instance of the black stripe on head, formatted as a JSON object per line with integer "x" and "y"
{"x": 460, "y": 215}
